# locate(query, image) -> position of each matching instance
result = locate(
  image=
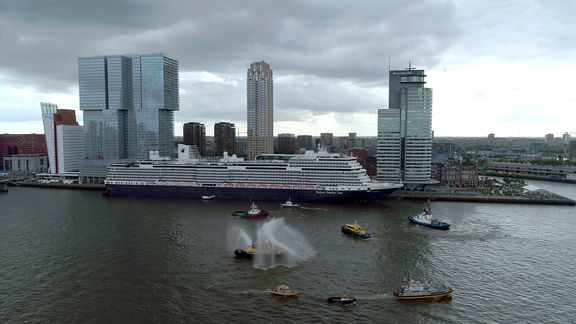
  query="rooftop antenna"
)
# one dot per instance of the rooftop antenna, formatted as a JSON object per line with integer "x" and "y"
{"x": 410, "y": 66}
{"x": 388, "y": 63}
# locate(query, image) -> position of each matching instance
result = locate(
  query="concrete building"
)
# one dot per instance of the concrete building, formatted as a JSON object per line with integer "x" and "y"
{"x": 327, "y": 141}
{"x": 405, "y": 130}
{"x": 260, "y": 109}
{"x": 286, "y": 144}
{"x": 304, "y": 142}
{"x": 64, "y": 138}
{"x": 572, "y": 150}
{"x": 549, "y": 139}
{"x": 225, "y": 138}
{"x": 531, "y": 170}
{"x": 491, "y": 139}
{"x": 26, "y": 144}
{"x": 456, "y": 175}
{"x": 195, "y": 134}
{"x": 566, "y": 138}
{"x": 128, "y": 103}
{"x": 352, "y": 141}
{"x": 69, "y": 148}
{"x": 26, "y": 163}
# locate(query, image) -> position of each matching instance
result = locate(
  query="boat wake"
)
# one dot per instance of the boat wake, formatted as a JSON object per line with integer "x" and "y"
{"x": 251, "y": 292}
{"x": 375, "y": 297}
{"x": 292, "y": 247}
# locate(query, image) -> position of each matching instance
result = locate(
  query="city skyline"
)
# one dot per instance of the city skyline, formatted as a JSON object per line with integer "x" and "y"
{"x": 488, "y": 62}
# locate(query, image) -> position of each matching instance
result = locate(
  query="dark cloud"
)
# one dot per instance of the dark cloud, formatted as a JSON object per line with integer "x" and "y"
{"x": 327, "y": 56}
{"x": 326, "y": 38}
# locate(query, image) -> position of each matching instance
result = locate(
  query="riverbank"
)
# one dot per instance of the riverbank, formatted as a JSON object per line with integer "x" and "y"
{"x": 547, "y": 198}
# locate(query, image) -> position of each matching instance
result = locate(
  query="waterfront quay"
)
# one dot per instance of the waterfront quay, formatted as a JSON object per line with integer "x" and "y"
{"x": 544, "y": 198}
{"x": 541, "y": 197}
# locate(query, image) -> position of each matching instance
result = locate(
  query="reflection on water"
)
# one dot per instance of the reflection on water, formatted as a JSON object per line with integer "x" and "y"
{"x": 73, "y": 256}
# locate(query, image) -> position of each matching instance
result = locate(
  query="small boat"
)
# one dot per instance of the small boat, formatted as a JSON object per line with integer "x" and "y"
{"x": 355, "y": 230}
{"x": 250, "y": 251}
{"x": 284, "y": 291}
{"x": 413, "y": 290}
{"x": 426, "y": 218}
{"x": 247, "y": 253}
{"x": 208, "y": 197}
{"x": 343, "y": 299}
{"x": 252, "y": 213}
{"x": 290, "y": 204}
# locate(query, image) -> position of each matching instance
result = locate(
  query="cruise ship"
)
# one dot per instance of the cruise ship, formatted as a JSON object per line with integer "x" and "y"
{"x": 313, "y": 176}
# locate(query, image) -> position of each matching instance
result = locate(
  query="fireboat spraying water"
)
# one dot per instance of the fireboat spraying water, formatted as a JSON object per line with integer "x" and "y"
{"x": 277, "y": 244}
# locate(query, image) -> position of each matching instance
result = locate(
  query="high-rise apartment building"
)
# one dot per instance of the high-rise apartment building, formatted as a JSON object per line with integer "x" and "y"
{"x": 260, "y": 109}
{"x": 549, "y": 139}
{"x": 128, "y": 103}
{"x": 195, "y": 134}
{"x": 64, "y": 138}
{"x": 404, "y": 148}
{"x": 225, "y": 138}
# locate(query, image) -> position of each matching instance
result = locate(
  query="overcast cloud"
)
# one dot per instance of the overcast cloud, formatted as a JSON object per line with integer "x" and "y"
{"x": 502, "y": 67}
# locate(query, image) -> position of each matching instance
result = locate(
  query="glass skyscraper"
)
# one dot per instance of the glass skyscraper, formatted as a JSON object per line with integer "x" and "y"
{"x": 128, "y": 103}
{"x": 404, "y": 149}
{"x": 260, "y": 109}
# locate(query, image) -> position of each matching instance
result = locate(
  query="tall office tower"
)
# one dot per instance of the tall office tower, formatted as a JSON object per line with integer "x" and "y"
{"x": 64, "y": 138}
{"x": 260, "y": 106}
{"x": 128, "y": 103}
{"x": 286, "y": 143}
{"x": 549, "y": 139}
{"x": 195, "y": 134}
{"x": 404, "y": 148}
{"x": 225, "y": 138}
{"x": 304, "y": 142}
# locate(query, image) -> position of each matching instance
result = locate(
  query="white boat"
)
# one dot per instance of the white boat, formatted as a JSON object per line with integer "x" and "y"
{"x": 208, "y": 197}
{"x": 414, "y": 290}
{"x": 289, "y": 204}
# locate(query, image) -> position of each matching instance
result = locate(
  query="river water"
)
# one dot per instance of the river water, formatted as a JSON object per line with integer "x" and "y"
{"x": 72, "y": 257}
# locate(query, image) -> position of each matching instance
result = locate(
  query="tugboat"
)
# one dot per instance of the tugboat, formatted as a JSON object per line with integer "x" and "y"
{"x": 250, "y": 252}
{"x": 247, "y": 253}
{"x": 355, "y": 230}
{"x": 343, "y": 299}
{"x": 252, "y": 213}
{"x": 425, "y": 218}
{"x": 413, "y": 290}
{"x": 289, "y": 204}
{"x": 284, "y": 291}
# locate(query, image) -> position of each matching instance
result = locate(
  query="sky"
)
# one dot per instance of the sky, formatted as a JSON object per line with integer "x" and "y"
{"x": 503, "y": 67}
